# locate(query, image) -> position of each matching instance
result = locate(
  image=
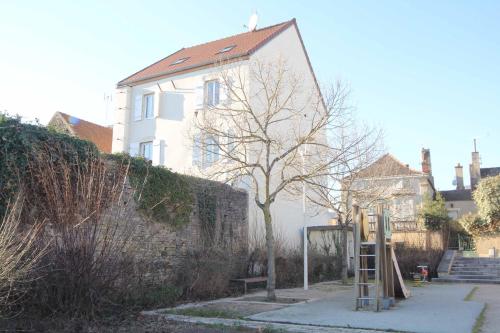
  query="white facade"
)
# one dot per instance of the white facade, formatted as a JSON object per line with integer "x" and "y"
{"x": 176, "y": 100}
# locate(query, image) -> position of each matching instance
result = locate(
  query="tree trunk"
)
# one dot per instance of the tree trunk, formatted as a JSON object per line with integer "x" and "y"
{"x": 271, "y": 269}
{"x": 345, "y": 254}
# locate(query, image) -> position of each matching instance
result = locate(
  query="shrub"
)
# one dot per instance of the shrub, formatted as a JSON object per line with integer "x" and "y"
{"x": 434, "y": 212}
{"x": 19, "y": 256}
{"x": 87, "y": 234}
{"x": 475, "y": 225}
{"x": 487, "y": 198}
{"x": 205, "y": 273}
{"x": 409, "y": 257}
{"x": 323, "y": 263}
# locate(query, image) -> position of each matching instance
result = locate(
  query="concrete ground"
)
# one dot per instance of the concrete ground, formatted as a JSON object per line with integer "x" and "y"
{"x": 489, "y": 294}
{"x": 327, "y": 307}
{"x": 431, "y": 309}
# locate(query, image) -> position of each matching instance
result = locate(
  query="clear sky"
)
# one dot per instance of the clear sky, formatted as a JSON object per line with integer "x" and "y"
{"x": 427, "y": 72}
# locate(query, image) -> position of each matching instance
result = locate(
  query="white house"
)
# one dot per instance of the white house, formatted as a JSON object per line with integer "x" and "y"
{"x": 156, "y": 105}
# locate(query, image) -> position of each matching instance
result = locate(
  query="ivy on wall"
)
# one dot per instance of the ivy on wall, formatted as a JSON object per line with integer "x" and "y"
{"x": 161, "y": 194}
{"x": 19, "y": 141}
{"x": 207, "y": 207}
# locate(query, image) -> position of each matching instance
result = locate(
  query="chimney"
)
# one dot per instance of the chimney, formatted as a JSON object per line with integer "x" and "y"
{"x": 459, "y": 175}
{"x": 475, "y": 168}
{"x": 426, "y": 161}
{"x": 426, "y": 164}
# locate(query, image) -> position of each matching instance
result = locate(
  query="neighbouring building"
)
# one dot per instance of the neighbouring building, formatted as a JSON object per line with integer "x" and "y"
{"x": 101, "y": 136}
{"x": 403, "y": 189}
{"x": 156, "y": 105}
{"x": 459, "y": 201}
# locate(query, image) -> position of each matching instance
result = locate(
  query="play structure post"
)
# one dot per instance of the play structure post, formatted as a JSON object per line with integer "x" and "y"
{"x": 357, "y": 240}
{"x": 306, "y": 281}
{"x": 379, "y": 246}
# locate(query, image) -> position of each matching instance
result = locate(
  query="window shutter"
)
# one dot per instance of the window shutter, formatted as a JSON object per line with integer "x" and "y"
{"x": 225, "y": 92}
{"x": 138, "y": 107}
{"x": 157, "y": 103}
{"x": 222, "y": 93}
{"x": 199, "y": 97}
{"x": 158, "y": 152}
{"x": 134, "y": 149}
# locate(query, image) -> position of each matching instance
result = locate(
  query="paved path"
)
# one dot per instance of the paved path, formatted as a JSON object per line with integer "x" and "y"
{"x": 260, "y": 326}
{"x": 432, "y": 309}
{"x": 327, "y": 308}
{"x": 490, "y": 294}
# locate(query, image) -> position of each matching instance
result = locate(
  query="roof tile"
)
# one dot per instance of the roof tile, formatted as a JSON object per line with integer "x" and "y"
{"x": 209, "y": 53}
{"x": 101, "y": 136}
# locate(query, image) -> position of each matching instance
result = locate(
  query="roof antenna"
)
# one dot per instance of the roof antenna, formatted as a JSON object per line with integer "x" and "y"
{"x": 252, "y": 22}
{"x": 475, "y": 150}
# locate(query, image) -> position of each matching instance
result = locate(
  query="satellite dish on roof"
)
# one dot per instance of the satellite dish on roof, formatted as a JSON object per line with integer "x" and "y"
{"x": 252, "y": 22}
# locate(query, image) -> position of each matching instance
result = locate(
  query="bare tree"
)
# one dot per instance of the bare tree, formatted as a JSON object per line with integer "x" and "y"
{"x": 346, "y": 180}
{"x": 271, "y": 131}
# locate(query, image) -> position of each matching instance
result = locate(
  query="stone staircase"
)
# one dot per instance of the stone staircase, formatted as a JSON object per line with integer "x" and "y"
{"x": 472, "y": 270}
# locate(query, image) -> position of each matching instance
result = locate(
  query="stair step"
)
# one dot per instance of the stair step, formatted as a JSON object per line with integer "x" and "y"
{"x": 454, "y": 280}
{"x": 479, "y": 277}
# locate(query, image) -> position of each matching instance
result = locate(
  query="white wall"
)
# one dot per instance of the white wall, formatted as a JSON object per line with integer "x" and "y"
{"x": 287, "y": 211}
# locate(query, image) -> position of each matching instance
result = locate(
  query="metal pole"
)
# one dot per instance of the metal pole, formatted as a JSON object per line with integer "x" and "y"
{"x": 306, "y": 281}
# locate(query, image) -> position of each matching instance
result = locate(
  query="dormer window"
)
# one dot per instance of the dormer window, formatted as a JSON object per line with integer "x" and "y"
{"x": 179, "y": 61}
{"x": 227, "y": 48}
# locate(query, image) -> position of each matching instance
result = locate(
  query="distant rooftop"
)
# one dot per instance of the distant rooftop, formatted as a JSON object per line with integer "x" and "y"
{"x": 101, "y": 136}
{"x": 387, "y": 166}
{"x": 457, "y": 195}
{"x": 490, "y": 172}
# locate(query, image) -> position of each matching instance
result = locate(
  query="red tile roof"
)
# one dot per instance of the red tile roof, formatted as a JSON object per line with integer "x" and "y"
{"x": 388, "y": 166}
{"x": 209, "y": 53}
{"x": 101, "y": 136}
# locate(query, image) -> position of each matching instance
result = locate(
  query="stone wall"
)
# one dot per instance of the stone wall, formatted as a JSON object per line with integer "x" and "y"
{"x": 423, "y": 239}
{"x": 160, "y": 249}
{"x": 486, "y": 244}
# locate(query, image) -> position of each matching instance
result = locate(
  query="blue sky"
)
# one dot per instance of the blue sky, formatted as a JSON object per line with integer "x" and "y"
{"x": 426, "y": 72}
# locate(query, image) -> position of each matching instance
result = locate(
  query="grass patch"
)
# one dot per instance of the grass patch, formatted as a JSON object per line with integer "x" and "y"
{"x": 227, "y": 328}
{"x": 480, "y": 320}
{"x": 270, "y": 329}
{"x": 207, "y": 313}
{"x": 470, "y": 295}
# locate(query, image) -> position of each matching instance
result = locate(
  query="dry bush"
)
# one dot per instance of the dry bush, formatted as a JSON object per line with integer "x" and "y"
{"x": 87, "y": 233}
{"x": 205, "y": 273}
{"x": 411, "y": 256}
{"x": 323, "y": 263}
{"x": 19, "y": 256}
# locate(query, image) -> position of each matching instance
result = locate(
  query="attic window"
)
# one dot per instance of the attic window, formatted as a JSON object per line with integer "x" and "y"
{"x": 227, "y": 48}
{"x": 179, "y": 61}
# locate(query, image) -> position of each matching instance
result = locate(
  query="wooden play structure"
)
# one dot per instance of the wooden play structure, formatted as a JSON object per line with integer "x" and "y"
{"x": 377, "y": 278}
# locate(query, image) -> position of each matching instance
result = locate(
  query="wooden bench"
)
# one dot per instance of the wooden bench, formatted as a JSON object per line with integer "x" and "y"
{"x": 247, "y": 281}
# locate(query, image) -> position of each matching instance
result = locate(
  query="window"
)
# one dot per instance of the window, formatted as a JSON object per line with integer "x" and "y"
{"x": 179, "y": 61}
{"x": 212, "y": 92}
{"x": 146, "y": 150}
{"x": 205, "y": 151}
{"x": 149, "y": 106}
{"x": 211, "y": 151}
{"x": 227, "y": 48}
